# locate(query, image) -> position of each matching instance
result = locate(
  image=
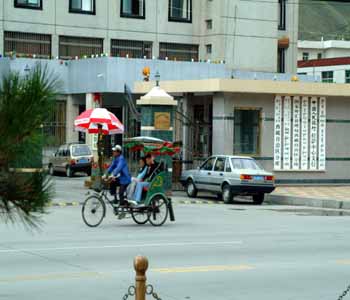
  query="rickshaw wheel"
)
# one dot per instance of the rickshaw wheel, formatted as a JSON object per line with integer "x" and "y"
{"x": 140, "y": 218}
{"x": 158, "y": 210}
{"x": 93, "y": 211}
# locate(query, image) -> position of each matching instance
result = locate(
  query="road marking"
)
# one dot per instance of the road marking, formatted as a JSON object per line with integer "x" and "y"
{"x": 343, "y": 261}
{"x": 52, "y": 277}
{"x": 204, "y": 269}
{"x": 228, "y": 243}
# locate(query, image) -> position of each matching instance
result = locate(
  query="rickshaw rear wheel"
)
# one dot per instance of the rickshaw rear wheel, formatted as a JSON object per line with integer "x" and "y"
{"x": 93, "y": 211}
{"x": 158, "y": 210}
{"x": 140, "y": 218}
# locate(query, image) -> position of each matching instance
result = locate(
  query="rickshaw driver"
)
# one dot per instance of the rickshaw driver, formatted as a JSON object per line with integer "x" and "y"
{"x": 119, "y": 167}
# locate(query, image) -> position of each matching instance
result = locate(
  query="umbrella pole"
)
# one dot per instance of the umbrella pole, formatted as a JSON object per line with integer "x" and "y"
{"x": 100, "y": 149}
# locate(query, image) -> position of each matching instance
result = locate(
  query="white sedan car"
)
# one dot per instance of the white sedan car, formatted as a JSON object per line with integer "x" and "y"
{"x": 229, "y": 176}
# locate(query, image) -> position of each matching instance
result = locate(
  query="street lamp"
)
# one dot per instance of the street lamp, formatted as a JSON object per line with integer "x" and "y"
{"x": 157, "y": 77}
{"x": 26, "y": 70}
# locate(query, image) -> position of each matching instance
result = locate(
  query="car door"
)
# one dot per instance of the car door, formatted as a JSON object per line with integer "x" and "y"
{"x": 61, "y": 162}
{"x": 204, "y": 180}
{"x": 218, "y": 173}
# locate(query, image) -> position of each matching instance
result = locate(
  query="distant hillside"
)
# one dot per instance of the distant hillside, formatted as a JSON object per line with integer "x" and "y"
{"x": 330, "y": 19}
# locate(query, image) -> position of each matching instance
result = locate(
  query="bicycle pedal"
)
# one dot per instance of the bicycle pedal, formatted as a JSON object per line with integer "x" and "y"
{"x": 121, "y": 216}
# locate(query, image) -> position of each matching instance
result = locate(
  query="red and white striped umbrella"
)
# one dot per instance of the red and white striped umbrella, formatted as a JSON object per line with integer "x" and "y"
{"x": 89, "y": 120}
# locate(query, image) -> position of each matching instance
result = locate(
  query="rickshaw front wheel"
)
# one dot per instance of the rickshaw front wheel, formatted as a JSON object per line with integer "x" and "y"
{"x": 158, "y": 210}
{"x": 93, "y": 211}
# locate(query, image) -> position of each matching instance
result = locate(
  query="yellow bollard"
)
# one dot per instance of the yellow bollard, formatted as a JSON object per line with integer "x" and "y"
{"x": 140, "y": 266}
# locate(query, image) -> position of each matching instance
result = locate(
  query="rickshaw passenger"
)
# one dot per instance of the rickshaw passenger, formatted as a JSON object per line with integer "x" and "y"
{"x": 140, "y": 176}
{"x": 152, "y": 170}
{"x": 119, "y": 168}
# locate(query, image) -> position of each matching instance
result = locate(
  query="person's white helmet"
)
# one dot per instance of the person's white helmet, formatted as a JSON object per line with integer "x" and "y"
{"x": 117, "y": 148}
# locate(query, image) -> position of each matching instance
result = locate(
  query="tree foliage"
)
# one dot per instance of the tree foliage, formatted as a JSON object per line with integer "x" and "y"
{"x": 26, "y": 102}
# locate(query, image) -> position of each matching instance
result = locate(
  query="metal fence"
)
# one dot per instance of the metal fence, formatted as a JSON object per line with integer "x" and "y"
{"x": 71, "y": 46}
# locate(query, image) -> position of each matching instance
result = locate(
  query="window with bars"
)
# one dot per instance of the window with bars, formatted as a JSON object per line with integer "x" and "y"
{"x": 32, "y": 4}
{"x": 209, "y": 24}
{"x": 71, "y": 46}
{"x": 182, "y": 52}
{"x": 132, "y": 9}
{"x": 305, "y": 55}
{"x": 347, "y": 76}
{"x": 82, "y": 6}
{"x": 327, "y": 76}
{"x": 180, "y": 11}
{"x": 55, "y": 129}
{"x": 282, "y": 14}
{"x": 24, "y": 43}
{"x": 208, "y": 48}
{"x": 246, "y": 131}
{"x": 131, "y": 49}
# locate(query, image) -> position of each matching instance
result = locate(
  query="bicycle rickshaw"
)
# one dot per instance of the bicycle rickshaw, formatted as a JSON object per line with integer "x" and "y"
{"x": 156, "y": 205}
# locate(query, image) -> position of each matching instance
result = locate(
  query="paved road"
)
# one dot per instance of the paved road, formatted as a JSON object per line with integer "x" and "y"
{"x": 210, "y": 252}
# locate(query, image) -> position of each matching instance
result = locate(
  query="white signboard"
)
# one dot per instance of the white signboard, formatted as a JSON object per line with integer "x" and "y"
{"x": 313, "y": 133}
{"x": 278, "y": 134}
{"x": 322, "y": 135}
{"x": 296, "y": 134}
{"x": 286, "y": 132}
{"x": 304, "y": 133}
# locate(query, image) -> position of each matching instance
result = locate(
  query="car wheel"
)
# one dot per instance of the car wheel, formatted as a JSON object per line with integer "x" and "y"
{"x": 219, "y": 196}
{"x": 51, "y": 170}
{"x": 227, "y": 195}
{"x": 191, "y": 189}
{"x": 69, "y": 172}
{"x": 258, "y": 199}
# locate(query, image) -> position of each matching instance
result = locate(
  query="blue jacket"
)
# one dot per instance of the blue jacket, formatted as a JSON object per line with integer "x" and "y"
{"x": 120, "y": 167}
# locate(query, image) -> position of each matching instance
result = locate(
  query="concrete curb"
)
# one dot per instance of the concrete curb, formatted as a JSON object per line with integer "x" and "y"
{"x": 310, "y": 202}
{"x": 64, "y": 204}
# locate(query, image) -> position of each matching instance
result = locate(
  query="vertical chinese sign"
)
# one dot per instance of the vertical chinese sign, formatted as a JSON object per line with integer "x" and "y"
{"x": 322, "y": 135}
{"x": 278, "y": 134}
{"x": 286, "y": 132}
{"x": 305, "y": 133}
{"x": 296, "y": 134}
{"x": 300, "y": 133}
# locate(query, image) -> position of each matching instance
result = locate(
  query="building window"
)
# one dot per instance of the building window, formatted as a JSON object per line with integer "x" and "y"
{"x": 132, "y": 9}
{"x": 209, "y": 24}
{"x": 180, "y": 10}
{"x": 246, "y": 131}
{"x": 70, "y": 46}
{"x": 347, "y": 76}
{"x": 32, "y": 4}
{"x": 131, "y": 49}
{"x": 327, "y": 76}
{"x": 208, "y": 48}
{"x": 82, "y": 6}
{"x": 282, "y": 14}
{"x": 25, "y": 44}
{"x": 319, "y": 55}
{"x": 183, "y": 52}
{"x": 305, "y": 55}
{"x": 281, "y": 61}
{"x": 55, "y": 129}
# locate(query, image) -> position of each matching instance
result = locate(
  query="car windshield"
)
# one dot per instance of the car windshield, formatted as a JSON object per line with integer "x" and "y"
{"x": 80, "y": 150}
{"x": 245, "y": 163}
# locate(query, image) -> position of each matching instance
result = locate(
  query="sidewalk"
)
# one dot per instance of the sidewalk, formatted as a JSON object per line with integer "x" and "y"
{"x": 336, "y": 197}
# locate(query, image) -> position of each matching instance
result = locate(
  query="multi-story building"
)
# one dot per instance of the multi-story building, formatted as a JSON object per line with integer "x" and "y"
{"x": 246, "y": 35}
{"x": 220, "y": 59}
{"x": 327, "y": 60}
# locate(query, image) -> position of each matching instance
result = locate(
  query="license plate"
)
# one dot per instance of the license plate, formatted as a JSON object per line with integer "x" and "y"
{"x": 259, "y": 178}
{"x": 83, "y": 161}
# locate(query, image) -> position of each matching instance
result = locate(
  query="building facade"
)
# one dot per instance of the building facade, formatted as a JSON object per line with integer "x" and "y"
{"x": 246, "y": 35}
{"x": 327, "y": 60}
